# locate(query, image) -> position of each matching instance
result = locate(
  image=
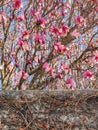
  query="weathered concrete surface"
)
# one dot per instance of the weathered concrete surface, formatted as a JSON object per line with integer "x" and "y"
{"x": 49, "y": 110}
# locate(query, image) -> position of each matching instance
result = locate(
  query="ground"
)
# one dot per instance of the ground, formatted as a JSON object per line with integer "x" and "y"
{"x": 49, "y": 110}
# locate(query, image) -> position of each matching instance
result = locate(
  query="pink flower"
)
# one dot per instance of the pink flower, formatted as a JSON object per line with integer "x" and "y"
{"x": 20, "y": 18}
{"x": 17, "y": 78}
{"x": 20, "y": 43}
{"x": 67, "y": 6}
{"x": 75, "y": 33}
{"x": 96, "y": 56}
{"x": 59, "y": 48}
{"x": 46, "y": 66}
{"x": 10, "y": 67}
{"x": 13, "y": 54}
{"x": 29, "y": 61}
{"x": 80, "y": 21}
{"x": 64, "y": 30}
{"x": 88, "y": 74}
{"x": 49, "y": 69}
{"x": 17, "y": 65}
{"x": 96, "y": 9}
{"x": 18, "y": 4}
{"x": 25, "y": 35}
{"x": 3, "y": 17}
{"x": 63, "y": 13}
{"x": 5, "y": 60}
{"x": 55, "y": 30}
{"x": 71, "y": 83}
{"x": 33, "y": 12}
{"x": 11, "y": 17}
{"x": 23, "y": 87}
{"x": 41, "y": 21}
{"x": 64, "y": 67}
{"x": 39, "y": 39}
{"x": 24, "y": 45}
{"x": 60, "y": 75}
{"x": 24, "y": 75}
{"x": 52, "y": 72}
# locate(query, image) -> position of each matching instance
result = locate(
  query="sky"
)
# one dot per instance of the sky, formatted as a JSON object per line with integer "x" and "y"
{"x": 0, "y": 82}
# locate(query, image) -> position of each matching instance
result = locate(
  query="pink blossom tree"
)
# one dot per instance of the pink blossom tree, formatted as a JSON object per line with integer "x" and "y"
{"x": 49, "y": 44}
